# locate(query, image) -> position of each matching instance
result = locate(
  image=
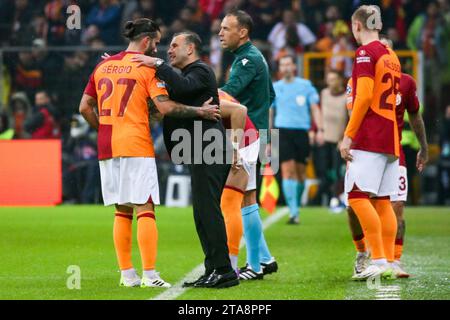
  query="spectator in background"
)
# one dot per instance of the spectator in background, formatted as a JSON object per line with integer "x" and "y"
{"x": 333, "y": 103}
{"x": 265, "y": 13}
{"x": 213, "y": 8}
{"x": 215, "y": 53}
{"x": 397, "y": 42}
{"x": 430, "y": 34}
{"x": 314, "y": 13}
{"x": 81, "y": 173}
{"x": 342, "y": 45}
{"x": 289, "y": 32}
{"x": 74, "y": 74}
{"x": 55, "y": 12}
{"x": 21, "y": 17}
{"x": 145, "y": 8}
{"x": 50, "y": 63}
{"x": 6, "y": 133}
{"x": 106, "y": 17}
{"x": 26, "y": 74}
{"x": 444, "y": 161}
{"x": 42, "y": 123}
{"x": 20, "y": 109}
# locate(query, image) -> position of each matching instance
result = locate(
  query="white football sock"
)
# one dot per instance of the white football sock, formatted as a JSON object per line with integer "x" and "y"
{"x": 129, "y": 273}
{"x": 151, "y": 274}
{"x": 234, "y": 261}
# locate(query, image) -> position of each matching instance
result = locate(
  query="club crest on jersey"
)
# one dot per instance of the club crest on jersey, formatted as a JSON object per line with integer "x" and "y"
{"x": 244, "y": 62}
{"x": 362, "y": 52}
{"x": 348, "y": 91}
{"x": 301, "y": 100}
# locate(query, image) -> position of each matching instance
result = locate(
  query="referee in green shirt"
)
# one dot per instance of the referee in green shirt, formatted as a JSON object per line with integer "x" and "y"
{"x": 250, "y": 83}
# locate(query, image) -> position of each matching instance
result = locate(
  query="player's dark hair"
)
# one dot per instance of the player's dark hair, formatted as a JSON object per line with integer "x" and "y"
{"x": 288, "y": 56}
{"x": 339, "y": 73}
{"x": 243, "y": 18}
{"x": 139, "y": 28}
{"x": 192, "y": 38}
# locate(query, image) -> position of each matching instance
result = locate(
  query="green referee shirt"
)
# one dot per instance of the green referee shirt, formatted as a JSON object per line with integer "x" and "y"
{"x": 250, "y": 83}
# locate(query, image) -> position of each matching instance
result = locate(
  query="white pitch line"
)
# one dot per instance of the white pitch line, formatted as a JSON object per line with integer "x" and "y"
{"x": 177, "y": 289}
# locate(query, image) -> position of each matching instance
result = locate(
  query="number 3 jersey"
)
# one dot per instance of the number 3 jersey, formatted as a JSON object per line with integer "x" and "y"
{"x": 122, "y": 90}
{"x": 407, "y": 100}
{"x": 377, "y": 69}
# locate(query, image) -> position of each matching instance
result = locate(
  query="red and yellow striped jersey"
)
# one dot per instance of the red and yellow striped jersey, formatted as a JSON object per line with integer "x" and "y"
{"x": 122, "y": 91}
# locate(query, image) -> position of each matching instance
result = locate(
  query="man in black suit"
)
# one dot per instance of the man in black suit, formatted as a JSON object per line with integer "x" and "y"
{"x": 194, "y": 85}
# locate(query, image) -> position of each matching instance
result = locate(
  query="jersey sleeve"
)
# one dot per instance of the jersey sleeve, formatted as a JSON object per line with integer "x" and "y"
{"x": 90, "y": 87}
{"x": 313, "y": 96}
{"x": 349, "y": 95}
{"x": 412, "y": 101}
{"x": 156, "y": 87}
{"x": 363, "y": 98}
{"x": 364, "y": 64}
{"x": 244, "y": 70}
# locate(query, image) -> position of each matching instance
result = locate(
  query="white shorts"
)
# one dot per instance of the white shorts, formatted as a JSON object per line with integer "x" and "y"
{"x": 249, "y": 157}
{"x": 129, "y": 181}
{"x": 371, "y": 172}
{"x": 402, "y": 191}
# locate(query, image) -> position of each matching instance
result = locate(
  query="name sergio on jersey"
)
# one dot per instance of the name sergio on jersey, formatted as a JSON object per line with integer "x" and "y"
{"x": 117, "y": 69}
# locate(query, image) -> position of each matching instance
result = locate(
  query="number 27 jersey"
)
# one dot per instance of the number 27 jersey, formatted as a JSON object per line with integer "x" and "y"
{"x": 122, "y": 90}
{"x": 378, "y": 131}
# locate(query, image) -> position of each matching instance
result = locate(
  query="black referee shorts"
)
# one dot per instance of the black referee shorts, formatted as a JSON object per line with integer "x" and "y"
{"x": 294, "y": 145}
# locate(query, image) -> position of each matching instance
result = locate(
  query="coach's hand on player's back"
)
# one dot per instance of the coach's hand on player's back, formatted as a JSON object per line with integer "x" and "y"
{"x": 144, "y": 60}
{"x": 210, "y": 111}
{"x": 345, "y": 148}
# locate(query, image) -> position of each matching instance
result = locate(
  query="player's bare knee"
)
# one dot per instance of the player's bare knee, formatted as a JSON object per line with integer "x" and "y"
{"x": 124, "y": 209}
{"x": 249, "y": 198}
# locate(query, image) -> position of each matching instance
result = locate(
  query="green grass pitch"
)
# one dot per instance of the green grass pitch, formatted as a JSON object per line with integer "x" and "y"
{"x": 37, "y": 245}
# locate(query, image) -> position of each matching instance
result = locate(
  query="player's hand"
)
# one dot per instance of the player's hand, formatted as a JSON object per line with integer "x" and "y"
{"x": 144, "y": 60}
{"x": 320, "y": 140}
{"x": 268, "y": 150}
{"x": 422, "y": 159}
{"x": 210, "y": 111}
{"x": 105, "y": 56}
{"x": 237, "y": 161}
{"x": 345, "y": 148}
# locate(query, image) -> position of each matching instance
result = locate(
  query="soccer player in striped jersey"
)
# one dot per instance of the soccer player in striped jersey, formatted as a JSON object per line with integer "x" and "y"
{"x": 371, "y": 141}
{"x": 241, "y": 179}
{"x": 407, "y": 100}
{"x": 115, "y": 103}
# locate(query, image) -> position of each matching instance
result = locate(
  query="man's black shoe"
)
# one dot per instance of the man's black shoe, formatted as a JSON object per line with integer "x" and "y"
{"x": 198, "y": 282}
{"x": 268, "y": 268}
{"x": 225, "y": 280}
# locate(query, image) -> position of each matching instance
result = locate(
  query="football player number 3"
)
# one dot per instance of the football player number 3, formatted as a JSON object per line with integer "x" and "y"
{"x": 106, "y": 82}
{"x": 394, "y": 88}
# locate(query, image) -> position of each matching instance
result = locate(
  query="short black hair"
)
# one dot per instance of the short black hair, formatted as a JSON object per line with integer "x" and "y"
{"x": 288, "y": 56}
{"x": 192, "y": 38}
{"x": 243, "y": 18}
{"x": 139, "y": 28}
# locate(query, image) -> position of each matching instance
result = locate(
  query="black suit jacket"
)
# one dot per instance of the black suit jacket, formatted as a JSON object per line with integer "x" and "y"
{"x": 196, "y": 84}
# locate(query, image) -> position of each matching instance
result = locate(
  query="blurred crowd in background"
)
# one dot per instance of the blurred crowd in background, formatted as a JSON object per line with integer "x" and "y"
{"x": 43, "y": 76}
